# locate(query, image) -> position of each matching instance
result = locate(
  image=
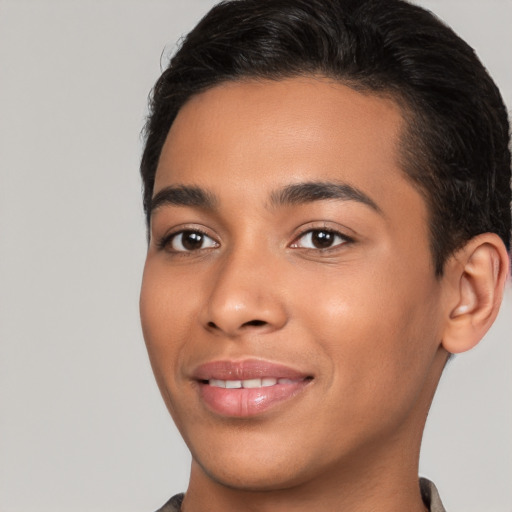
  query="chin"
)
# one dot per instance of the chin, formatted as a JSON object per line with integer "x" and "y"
{"x": 244, "y": 465}
{"x": 255, "y": 477}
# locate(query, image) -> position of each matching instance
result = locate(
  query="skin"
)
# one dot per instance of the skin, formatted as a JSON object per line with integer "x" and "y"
{"x": 366, "y": 318}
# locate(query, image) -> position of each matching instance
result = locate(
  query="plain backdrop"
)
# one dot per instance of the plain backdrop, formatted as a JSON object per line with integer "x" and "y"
{"x": 82, "y": 425}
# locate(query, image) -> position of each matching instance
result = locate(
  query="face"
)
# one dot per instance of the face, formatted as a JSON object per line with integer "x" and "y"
{"x": 289, "y": 302}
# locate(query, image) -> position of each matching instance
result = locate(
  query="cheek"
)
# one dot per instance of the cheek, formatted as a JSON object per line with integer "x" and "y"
{"x": 378, "y": 331}
{"x": 165, "y": 304}
{"x": 164, "y": 315}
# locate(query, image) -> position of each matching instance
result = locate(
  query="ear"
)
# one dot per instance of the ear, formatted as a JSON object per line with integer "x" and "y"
{"x": 476, "y": 274}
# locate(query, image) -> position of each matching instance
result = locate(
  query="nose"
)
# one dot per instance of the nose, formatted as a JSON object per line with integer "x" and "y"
{"x": 245, "y": 296}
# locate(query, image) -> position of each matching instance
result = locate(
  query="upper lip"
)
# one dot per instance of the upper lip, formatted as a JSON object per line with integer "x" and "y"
{"x": 246, "y": 369}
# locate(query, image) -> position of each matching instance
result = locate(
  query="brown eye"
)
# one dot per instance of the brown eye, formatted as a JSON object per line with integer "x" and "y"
{"x": 187, "y": 241}
{"x": 320, "y": 239}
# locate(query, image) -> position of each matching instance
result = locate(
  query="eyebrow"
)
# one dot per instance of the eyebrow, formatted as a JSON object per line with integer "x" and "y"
{"x": 183, "y": 195}
{"x": 294, "y": 194}
{"x": 318, "y": 191}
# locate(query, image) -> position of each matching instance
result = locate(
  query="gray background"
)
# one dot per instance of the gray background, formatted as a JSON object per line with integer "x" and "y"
{"x": 82, "y": 426}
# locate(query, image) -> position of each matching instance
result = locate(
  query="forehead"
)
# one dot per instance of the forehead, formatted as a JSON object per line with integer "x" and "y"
{"x": 252, "y": 137}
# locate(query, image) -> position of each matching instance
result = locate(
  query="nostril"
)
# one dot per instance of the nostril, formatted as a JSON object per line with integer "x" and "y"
{"x": 255, "y": 323}
{"x": 211, "y": 325}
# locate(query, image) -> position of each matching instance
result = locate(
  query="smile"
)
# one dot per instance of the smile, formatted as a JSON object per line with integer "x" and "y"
{"x": 241, "y": 389}
{"x": 248, "y": 383}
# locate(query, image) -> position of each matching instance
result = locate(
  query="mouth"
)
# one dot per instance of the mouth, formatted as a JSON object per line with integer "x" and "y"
{"x": 265, "y": 382}
{"x": 247, "y": 388}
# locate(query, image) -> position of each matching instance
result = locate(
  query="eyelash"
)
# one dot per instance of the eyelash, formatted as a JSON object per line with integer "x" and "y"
{"x": 332, "y": 232}
{"x": 165, "y": 242}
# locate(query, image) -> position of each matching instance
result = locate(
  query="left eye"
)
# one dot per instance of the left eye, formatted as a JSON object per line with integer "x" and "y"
{"x": 187, "y": 241}
{"x": 320, "y": 239}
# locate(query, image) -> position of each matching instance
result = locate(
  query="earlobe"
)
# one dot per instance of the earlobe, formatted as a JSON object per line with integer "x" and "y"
{"x": 478, "y": 273}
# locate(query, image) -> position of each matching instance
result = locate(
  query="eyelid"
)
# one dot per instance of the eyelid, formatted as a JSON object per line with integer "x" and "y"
{"x": 163, "y": 242}
{"x": 346, "y": 239}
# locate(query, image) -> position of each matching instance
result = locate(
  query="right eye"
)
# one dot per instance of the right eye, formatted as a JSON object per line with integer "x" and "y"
{"x": 188, "y": 241}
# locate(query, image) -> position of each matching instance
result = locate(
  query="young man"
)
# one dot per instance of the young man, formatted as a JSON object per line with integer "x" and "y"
{"x": 327, "y": 188}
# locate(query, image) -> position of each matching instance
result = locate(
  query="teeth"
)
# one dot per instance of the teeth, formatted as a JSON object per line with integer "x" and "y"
{"x": 248, "y": 383}
{"x": 217, "y": 383}
{"x": 251, "y": 383}
{"x": 233, "y": 384}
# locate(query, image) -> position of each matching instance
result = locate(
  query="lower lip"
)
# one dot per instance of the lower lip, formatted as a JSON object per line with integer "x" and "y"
{"x": 245, "y": 402}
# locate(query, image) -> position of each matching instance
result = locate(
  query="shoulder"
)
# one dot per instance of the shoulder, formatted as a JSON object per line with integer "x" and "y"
{"x": 173, "y": 505}
{"x": 430, "y": 496}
